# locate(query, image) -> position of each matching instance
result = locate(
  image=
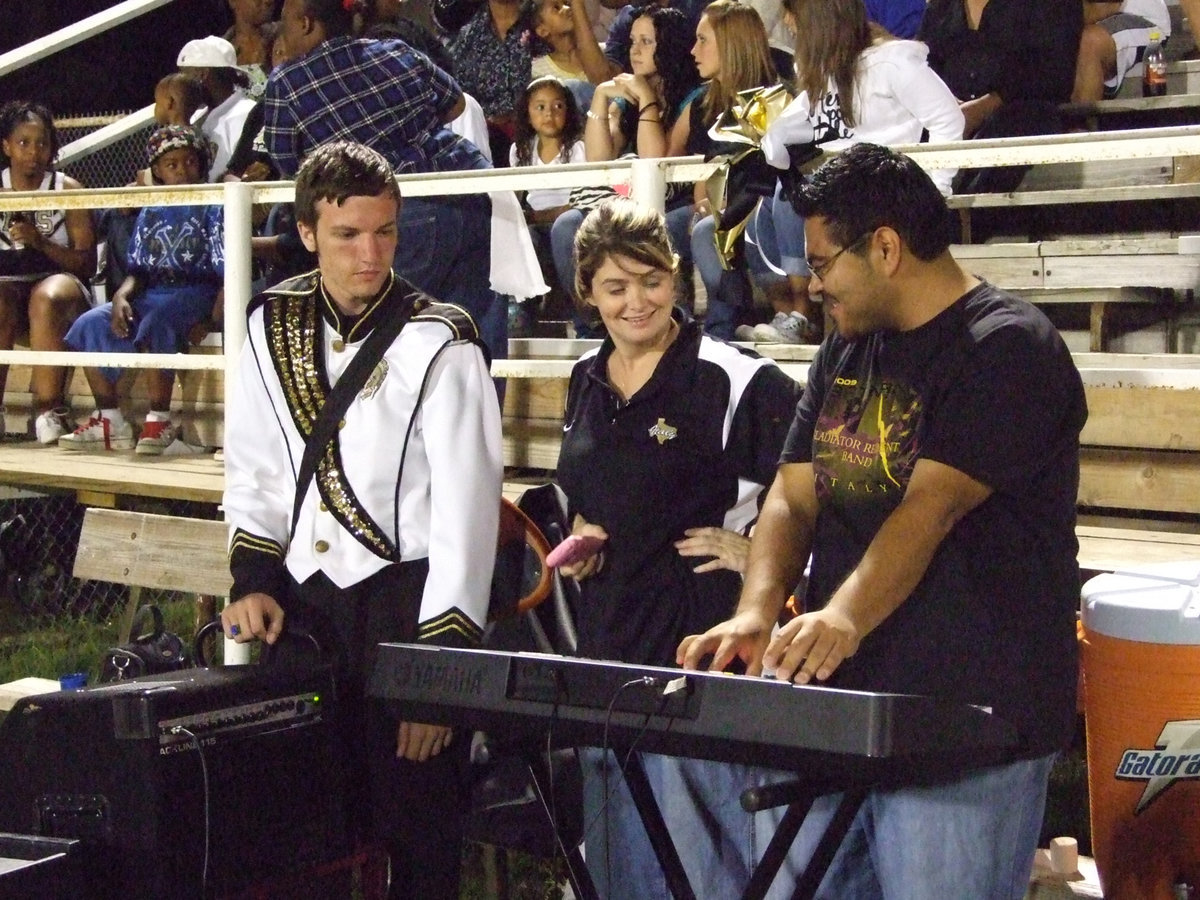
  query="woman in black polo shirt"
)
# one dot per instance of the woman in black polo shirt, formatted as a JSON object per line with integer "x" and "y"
{"x": 669, "y": 438}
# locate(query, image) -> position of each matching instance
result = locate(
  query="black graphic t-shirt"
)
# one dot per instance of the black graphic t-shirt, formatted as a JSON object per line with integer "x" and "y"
{"x": 988, "y": 388}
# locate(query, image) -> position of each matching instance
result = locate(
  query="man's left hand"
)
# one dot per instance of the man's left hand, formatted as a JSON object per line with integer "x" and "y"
{"x": 418, "y": 743}
{"x": 812, "y": 645}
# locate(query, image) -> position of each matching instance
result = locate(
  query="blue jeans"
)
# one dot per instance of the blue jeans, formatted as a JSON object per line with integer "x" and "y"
{"x": 778, "y": 232}
{"x": 679, "y": 221}
{"x": 700, "y": 803}
{"x": 163, "y": 316}
{"x": 970, "y": 838}
{"x": 562, "y": 249}
{"x": 444, "y": 248}
{"x": 728, "y": 291}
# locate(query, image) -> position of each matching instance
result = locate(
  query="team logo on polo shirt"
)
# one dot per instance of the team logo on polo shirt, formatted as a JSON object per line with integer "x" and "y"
{"x": 662, "y": 432}
{"x": 1175, "y": 757}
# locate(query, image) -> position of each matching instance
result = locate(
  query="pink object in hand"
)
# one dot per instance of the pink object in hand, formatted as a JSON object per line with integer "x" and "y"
{"x": 573, "y": 549}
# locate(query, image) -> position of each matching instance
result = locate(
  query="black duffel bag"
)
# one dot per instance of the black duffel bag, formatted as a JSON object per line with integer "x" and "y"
{"x": 152, "y": 651}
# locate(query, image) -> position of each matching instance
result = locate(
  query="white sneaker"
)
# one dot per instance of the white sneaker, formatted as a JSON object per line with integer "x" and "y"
{"x": 53, "y": 424}
{"x": 785, "y": 328}
{"x": 744, "y": 333}
{"x": 99, "y": 435}
{"x": 156, "y": 437}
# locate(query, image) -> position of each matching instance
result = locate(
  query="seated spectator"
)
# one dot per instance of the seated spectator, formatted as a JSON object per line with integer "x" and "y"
{"x": 176, "y": 263}
{"x": 252, "y": 36}
{"x": 177, "y": 99}
{"x": 634, "y": 113}
{"x": 555, "y": 29}
{"x": 856, "y": 84}
{"x": 1009, "y": 63}
{"x": 46, "y": 259}
{"x": 900, "y": 18}
{"x": 732, "y": 54}
{"x": 549, "y": 132}
{"x": 492, "y": 61}
{"x": 1115, "y": 35}
{"x": 620, "y": 37}
{"x": 231, "y": 112}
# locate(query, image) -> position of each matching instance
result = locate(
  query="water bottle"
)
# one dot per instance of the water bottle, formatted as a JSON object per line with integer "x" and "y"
{"x": 1154, "y": 68}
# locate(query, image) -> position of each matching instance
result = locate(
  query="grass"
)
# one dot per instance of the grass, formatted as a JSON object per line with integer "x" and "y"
{"x": 50, "y": 647}
{"x": 41, "y": 646}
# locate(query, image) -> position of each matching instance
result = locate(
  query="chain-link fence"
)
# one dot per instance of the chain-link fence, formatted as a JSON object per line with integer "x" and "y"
{"x": 111, "y": 166}
{"x": 39, "y": 535}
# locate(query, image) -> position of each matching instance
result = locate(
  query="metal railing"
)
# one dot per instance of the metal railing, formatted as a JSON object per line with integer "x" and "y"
{"x": 73, "y": 34}
{"x": 645, "y": 180}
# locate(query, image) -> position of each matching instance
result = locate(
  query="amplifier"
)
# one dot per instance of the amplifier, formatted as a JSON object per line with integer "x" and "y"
{"x": 189, "y": 784}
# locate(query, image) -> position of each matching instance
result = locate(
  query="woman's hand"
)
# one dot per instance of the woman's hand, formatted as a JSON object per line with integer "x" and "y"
{"x": 24, "y": 232}
{"x": 593, "y": 564}
{"x": 976, "y": 112}
{"x": 636, "y": 89}
{"x": 605, "y": 93}
{"x": 729, "y": 549}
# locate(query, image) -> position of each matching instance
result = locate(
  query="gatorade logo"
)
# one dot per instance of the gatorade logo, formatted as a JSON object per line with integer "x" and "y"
{"x": 1176, "y": 757}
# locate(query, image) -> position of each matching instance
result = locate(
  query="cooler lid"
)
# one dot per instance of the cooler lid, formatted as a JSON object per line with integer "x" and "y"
{"x": 1157, "y": 603}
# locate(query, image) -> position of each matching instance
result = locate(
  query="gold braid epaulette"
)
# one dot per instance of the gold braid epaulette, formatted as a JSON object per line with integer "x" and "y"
{"x": 293, "y": 326}
{"x": 460, "y": 322}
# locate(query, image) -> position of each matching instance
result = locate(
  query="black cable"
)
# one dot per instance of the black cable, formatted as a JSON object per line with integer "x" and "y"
{"x": 642, "y": 681}
{"x": 179, "y": 729}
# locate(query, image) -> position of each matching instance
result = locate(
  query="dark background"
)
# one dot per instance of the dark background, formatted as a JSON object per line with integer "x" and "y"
{"x": 111, "y": 72}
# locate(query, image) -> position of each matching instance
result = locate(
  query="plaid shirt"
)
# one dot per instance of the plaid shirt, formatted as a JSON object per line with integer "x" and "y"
{"x": 380, "y": 93}
{"x": 492, "y": 69}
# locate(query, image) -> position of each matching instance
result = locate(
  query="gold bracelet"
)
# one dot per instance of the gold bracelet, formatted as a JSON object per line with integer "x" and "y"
{"x": 644, "y": 119}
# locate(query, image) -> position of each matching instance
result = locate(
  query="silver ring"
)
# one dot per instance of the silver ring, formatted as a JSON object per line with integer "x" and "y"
{"x": 234, "y": 630}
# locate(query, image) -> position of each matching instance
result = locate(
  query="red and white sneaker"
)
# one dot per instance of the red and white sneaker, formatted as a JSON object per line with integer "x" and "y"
{"x": 98, "y": 435}
{"x": 156, "y": 437}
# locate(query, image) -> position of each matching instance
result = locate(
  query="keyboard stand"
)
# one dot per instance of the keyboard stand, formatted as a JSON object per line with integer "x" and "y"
{"x": 798, "y": 796}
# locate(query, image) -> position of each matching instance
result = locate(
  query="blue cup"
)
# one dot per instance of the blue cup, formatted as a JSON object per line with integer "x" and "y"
{"x": 73, "y": 682}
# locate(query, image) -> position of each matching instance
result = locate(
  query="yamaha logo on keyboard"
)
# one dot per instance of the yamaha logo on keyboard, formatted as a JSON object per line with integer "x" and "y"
{"x": 1176, "y": 757}
{"x": 444, "y": 678}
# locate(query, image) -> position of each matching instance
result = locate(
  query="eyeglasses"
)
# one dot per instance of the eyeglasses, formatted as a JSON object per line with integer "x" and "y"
{"x": 822, "y": 270}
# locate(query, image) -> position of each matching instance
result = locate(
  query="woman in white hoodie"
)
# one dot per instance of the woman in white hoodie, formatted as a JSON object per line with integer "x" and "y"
{"x": 856, "y": 83}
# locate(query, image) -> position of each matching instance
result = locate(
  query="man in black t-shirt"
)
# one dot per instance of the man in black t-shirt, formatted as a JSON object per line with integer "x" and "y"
{"x": 932, "y": 471}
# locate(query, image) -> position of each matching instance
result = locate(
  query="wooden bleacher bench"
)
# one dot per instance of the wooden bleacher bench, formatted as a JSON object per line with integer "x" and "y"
{"x": 197, "y": 399}
{"x": 1097, "y": 271}
{"x": 141, "y": 550}
{"x": 1134, "y": 112}
{"x": 1140, "y": 455}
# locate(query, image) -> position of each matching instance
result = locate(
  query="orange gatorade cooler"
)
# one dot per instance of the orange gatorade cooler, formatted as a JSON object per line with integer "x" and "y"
{"x": 1141, "y": 673}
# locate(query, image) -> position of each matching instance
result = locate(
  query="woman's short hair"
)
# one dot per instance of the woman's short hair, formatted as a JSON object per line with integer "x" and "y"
{"x": 337, "y": 171}
{"x": 621, "y": 228}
